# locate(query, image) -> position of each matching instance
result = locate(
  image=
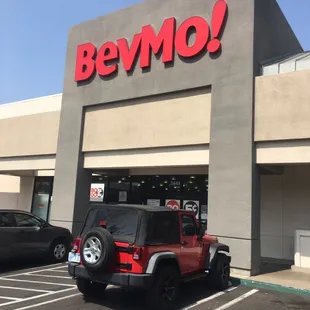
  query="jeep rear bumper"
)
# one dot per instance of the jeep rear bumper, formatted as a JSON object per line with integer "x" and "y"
{"x": 118, "y": 279}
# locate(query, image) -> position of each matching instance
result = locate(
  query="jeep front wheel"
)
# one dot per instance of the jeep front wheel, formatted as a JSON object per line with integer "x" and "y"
{"x": 220, "y": 273}
{"x": 164, "y": 291}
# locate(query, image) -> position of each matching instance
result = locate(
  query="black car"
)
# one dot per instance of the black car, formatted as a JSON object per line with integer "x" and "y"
{"x": 23, "y": 235}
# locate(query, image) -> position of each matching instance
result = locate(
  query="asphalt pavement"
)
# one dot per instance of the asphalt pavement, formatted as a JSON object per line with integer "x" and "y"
{"x": 49, "y": 287}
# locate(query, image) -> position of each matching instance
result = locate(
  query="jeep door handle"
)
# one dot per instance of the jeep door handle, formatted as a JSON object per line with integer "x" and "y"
{"x": 184, "y": 242}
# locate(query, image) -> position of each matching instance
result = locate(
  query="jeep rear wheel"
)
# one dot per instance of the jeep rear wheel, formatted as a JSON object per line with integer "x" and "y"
{"x": 89, "y": 289}
{"x": 98, "y": 250}
{"x": 164, "y": 292}
{"x": 220, "y": 274}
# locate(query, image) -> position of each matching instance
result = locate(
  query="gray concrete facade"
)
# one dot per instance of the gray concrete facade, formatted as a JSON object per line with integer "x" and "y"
{"x": 254, "y": 31}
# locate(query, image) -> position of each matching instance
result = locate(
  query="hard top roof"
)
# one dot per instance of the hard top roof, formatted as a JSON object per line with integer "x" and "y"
{"x": 145, "y": 208}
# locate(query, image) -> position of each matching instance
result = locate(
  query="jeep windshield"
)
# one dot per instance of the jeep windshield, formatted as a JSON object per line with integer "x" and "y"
{"x": 121, "y": 222}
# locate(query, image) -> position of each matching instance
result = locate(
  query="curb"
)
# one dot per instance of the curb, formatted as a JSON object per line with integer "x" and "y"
{"x": 270, "y": 286}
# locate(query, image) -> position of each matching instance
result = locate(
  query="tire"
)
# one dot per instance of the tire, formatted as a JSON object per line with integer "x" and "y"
{"x": 98, "y": 250}
{"x": 89, "y": 289}
{"x": 59, "y": 251}
{"x": 157, "y": 298}
{"x": 220, "y": 273}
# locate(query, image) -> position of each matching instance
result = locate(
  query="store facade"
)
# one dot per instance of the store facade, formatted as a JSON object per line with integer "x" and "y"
{"x": 165, "y": 103}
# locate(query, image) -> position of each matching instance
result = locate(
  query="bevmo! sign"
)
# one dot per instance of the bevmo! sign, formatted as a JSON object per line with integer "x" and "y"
{"x": 105, "y": 60}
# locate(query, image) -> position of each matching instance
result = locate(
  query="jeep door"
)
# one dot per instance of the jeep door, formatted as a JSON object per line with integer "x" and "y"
{"x": 190, "y": 246}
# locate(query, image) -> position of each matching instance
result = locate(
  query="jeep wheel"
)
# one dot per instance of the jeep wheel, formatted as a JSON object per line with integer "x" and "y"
{"x": 98, "y": 249}
{"x": 164, "y": 292}
{"x": 221, "y": 273}
{"x": 89, "y": 289}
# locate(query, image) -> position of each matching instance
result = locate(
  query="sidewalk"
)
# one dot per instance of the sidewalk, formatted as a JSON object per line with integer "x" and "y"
{"x": 284, "y": 281}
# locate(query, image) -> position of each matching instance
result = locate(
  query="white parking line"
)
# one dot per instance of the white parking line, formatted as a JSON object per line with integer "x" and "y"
{"x": 10, "y": 298}
{"x": 48, "y": 302}
{"x": 34, "y": 271}
{"x": 202, "y": 301}
{"x": 236, "y": 300}
{"x": 37, "y": 282}
{"x": 46, "y": 276}
{"x": 52, "y": 270}
{"x": 59, "y": 265}
{"x": 36, "y": 297}
{"x": 24, "y": 289}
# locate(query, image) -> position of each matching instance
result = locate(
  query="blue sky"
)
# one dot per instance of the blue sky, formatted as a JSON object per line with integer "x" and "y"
{"x": 34, "y": 35}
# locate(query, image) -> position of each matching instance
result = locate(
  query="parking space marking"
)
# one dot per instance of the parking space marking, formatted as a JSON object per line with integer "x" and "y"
{"x": 202, "y": 301}
{"x": 53, "y": 270}
{"x": 10, "y": 298}
{"x": 37, "y": 296}
{"x": 35, "y": 271}
{"x": 24, "y": 289}
{"x": 46, "y": 276}
{"x": 37, "y": 282}
{"x": 48, "y": 302}
{"x": 238, "y": 299}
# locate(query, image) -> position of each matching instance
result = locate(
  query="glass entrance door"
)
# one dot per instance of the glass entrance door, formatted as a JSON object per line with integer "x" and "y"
{"x": 42, "y": 197}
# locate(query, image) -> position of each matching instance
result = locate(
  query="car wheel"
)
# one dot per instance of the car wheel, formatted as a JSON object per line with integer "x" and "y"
{"x": 220, "y": 275}
{"x": 59, "y": 251}
{"x": 98, "y": 250}
{"x": 164, "y": 292}
{"x": 90, "y": 289}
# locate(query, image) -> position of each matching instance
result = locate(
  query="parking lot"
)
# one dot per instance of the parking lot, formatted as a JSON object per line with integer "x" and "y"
{"x": 50, "y": 287}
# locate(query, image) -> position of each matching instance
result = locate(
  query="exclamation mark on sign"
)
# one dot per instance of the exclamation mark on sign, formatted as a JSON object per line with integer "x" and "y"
{"x": 218, "y": 18}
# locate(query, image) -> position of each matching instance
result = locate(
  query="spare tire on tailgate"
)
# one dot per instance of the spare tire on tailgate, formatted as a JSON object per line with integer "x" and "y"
{"x": 98, "y": 250}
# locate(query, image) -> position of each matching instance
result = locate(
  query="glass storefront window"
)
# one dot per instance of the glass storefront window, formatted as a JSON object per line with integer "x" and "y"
{"x": 118, "y": 189}
{"x": 42, "y": 197}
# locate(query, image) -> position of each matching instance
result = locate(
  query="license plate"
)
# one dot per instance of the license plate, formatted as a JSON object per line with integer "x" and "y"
{"x": 74, "y": 257}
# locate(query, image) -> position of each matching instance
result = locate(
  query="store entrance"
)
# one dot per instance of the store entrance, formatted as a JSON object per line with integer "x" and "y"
{"x": 188, "y": 192}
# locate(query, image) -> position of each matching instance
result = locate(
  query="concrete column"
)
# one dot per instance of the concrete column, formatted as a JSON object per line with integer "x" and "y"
{"x": 233, "y": 197}
{"x": 26, "y": 193}
{"x": 72, "y": 181}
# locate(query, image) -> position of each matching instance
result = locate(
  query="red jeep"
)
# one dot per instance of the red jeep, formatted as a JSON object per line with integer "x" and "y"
{"x": 144, "y": 247}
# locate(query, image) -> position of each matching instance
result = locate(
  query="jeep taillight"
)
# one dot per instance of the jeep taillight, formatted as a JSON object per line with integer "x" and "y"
{"x": 76, "y": 245}
{"x": 137, "y": 253}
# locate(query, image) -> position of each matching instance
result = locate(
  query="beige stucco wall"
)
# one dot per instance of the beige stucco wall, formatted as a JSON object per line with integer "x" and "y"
{"x": 9, "y": 191}
{"x": 157, "y": 122}
{"x": 282, "y": 106}
{"x": 285, "y": 207}
{"x": 29, "y": 127}
{"x": 35, "y": 134}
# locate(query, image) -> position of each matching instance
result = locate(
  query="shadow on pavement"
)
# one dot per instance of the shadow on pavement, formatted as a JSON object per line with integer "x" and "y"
{"x": 117, "y": 298}
{"x": 22, "y": 264}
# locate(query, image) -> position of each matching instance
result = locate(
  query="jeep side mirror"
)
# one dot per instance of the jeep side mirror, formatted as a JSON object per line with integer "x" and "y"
{"x": 201, "y": 232}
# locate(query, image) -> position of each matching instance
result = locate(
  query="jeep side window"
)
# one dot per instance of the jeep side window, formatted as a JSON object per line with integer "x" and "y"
{"x": 189, "y": 227}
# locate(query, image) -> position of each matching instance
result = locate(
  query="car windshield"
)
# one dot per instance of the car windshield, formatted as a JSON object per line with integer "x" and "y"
{"x": 121, "y": 222}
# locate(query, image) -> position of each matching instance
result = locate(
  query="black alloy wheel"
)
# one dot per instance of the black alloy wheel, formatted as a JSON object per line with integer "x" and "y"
{"x": 164, "y": 291}
{"x": 220, "y": 275}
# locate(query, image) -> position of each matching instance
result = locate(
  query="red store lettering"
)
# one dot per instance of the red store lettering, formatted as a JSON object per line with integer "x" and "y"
{"x": 105, "y": 61}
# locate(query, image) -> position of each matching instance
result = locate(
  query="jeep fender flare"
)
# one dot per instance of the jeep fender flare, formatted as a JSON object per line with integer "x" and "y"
{"x": 160, "y": 257}
{"x": 214, "y": 250}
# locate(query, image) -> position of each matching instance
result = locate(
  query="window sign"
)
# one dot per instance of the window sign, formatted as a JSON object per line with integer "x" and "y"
{"x": 192, "y": 205}
{"x": 97, "y": 192}
{"x": 153, "y": 202}
{"x": 173, "y": 204}
{"x": 122, "y": 196}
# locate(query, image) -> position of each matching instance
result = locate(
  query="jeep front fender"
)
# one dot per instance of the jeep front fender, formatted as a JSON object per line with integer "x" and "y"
{"x": 214, "y": 249}
{"x": 161, "y": 257}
